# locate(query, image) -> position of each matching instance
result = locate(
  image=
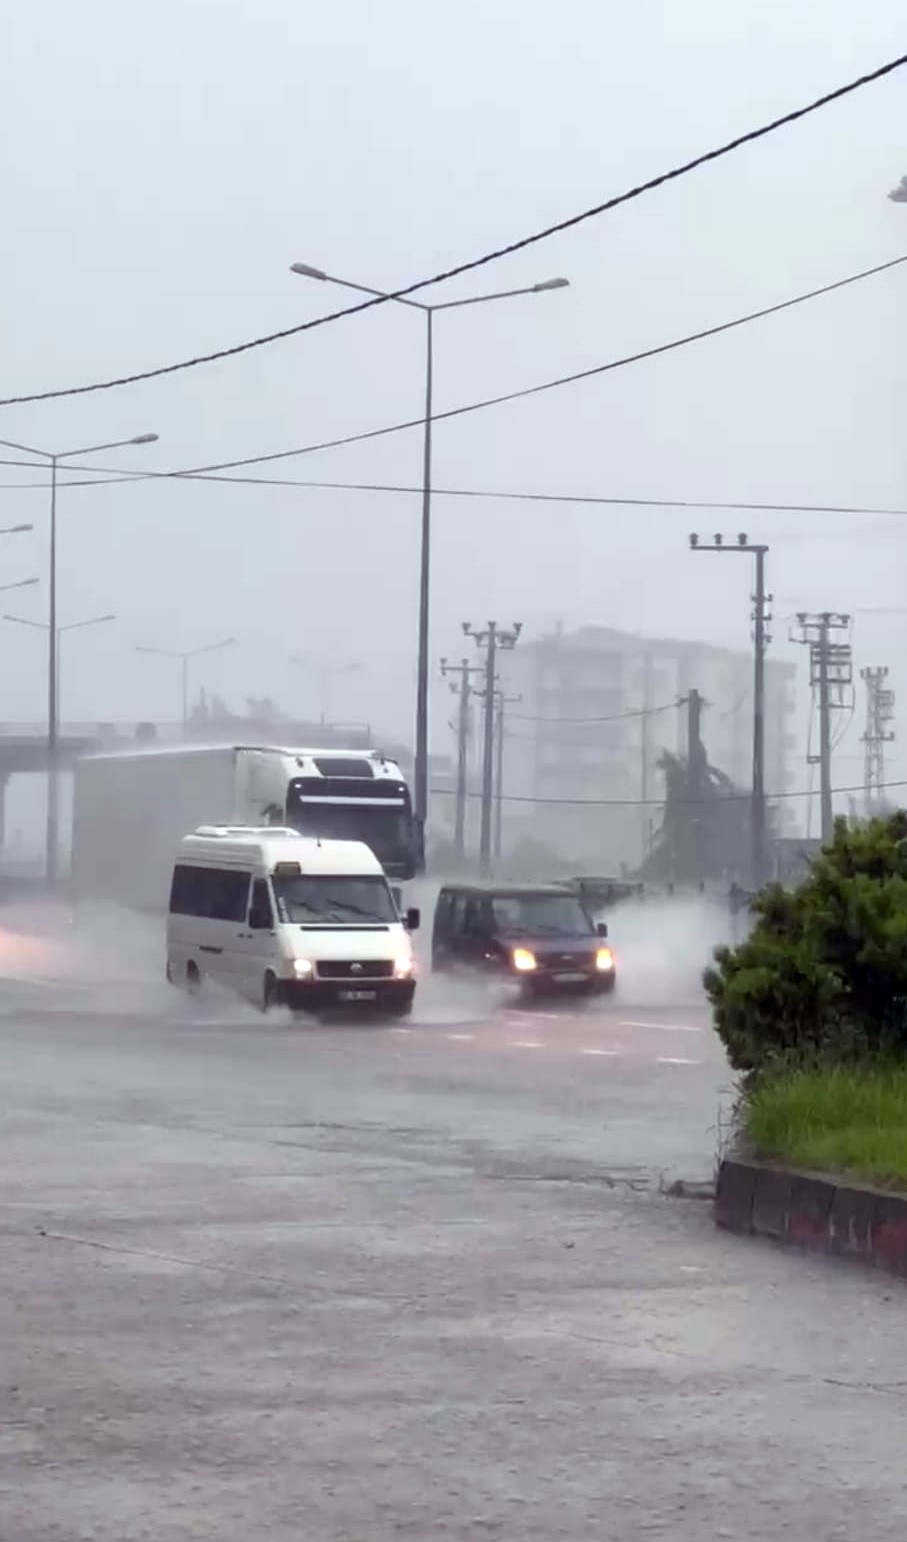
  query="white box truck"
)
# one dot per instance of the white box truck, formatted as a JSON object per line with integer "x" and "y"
{"x": 130, "y": 810}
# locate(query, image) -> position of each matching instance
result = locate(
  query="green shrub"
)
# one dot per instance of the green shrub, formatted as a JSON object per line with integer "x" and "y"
{"x": 823, "y": 973}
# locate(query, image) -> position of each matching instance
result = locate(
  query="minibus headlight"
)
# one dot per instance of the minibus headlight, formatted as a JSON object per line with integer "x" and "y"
{"x": 403, "y": 966}
{"x": 303, "y": 967}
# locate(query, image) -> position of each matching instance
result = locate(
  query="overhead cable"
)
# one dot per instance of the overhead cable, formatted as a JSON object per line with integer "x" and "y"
{"x": 676, "y": 172}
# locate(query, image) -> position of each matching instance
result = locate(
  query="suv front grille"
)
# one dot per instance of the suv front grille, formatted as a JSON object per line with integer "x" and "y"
{"x": 360, "y": 969}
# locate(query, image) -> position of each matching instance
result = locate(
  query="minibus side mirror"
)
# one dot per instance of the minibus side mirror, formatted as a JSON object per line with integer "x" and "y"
{"x": 413, "y": 919}
{"x": 601, "y": 928}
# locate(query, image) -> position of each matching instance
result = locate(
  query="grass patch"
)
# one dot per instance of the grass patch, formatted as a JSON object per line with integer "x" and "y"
{"x": 844, "y": 1120}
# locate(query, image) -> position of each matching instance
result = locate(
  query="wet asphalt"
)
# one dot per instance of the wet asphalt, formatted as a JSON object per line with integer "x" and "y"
{"x": 259, "y": 1279}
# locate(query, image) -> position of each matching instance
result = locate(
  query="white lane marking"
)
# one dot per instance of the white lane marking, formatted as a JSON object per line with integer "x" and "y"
{"x": 626, "y": 1022}
{"x": 674, "y": 1060}
{"x": 37, "y": 979}
{"x": 523, "y": 1019}
{"x": 401, "y": 1030}
{"x": 612, "y": 1052}
{"x": 460, "y": 1036}
{"x": 526, "y": 1044}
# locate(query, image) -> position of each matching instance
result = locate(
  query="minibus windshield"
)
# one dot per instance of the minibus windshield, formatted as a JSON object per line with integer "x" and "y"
{"x": 346, "y": 899}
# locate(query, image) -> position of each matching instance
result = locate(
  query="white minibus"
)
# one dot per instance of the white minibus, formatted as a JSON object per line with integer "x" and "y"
{"x": 287, "y": 919}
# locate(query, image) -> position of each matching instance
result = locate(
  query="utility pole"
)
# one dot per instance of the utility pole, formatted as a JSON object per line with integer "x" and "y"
{"x": 879, "y": 713}
{"x": 501, "y": 702}
{"x": 830, "y": 678}
{"x": 697, "y": 777}
{"x": 457, "y": 676}
{"x": 760, "y": 618}
{"x": 491, "y": 637}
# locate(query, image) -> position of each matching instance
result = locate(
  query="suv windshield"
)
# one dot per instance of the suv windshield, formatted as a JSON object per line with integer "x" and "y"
{"x": 344, "y": 899}
{"x": 560, "y": 915}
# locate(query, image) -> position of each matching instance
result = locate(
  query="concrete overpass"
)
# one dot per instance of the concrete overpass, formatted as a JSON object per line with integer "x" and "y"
{"x": 23, "y": 746}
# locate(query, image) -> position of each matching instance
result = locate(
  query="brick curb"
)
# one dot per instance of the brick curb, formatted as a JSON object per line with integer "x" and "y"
{"x": 814, "y": 1212}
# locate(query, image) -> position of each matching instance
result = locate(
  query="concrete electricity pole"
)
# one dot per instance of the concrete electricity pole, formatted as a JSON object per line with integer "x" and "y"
{"x": 501, "y": 703}
{"x": 761, "y": 639}
{"x": 879, "y": 713}
{"x": 830, "y": 677}
{"x": 458, "y": 678}
{"x": 491, "y": 637}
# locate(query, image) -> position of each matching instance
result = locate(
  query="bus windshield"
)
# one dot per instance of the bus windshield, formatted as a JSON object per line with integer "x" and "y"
{"x": 386, "y": 829}
{"x": 344, "y": 899}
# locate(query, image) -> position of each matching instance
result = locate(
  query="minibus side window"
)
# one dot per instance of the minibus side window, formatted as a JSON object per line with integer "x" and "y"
{"x": 212, "y": 893}
{"x": 226, "y": 895}
{"x": 261, "y": 915}
{"x": 183, "y": 890}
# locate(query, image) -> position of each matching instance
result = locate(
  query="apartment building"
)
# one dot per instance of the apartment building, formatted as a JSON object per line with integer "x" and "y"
{"x": 599, "y": 706}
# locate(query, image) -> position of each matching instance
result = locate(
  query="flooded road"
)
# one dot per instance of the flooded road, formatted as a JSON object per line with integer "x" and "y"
{"x": 261, "y": 1279}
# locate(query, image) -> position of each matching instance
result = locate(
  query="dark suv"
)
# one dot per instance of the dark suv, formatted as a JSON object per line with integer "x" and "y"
{"x": 540, "y": 934}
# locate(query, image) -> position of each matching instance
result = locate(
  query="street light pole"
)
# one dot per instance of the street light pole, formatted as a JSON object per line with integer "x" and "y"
{"x": 53, "y": 458}
{"x": 420, "y": 772}
{"x": 420, "y": 759}
{"x": 53, "y": 769}
{"x": 56, "y": 635}
{"x": 322, "y": 673}
{"x": 185, "y": 656}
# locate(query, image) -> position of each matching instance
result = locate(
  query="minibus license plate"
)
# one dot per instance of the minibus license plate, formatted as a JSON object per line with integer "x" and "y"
{"x": 356, "y": 995}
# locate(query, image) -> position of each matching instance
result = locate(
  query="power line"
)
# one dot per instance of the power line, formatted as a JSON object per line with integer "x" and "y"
{"x": 561, "y": 380}
{"x": 734, "y": 797}
{"x": 212, "y": 472}
{"x": 616, "y": 717}
{"x": 750, "y": 137}
{"x": 114, "y": 477}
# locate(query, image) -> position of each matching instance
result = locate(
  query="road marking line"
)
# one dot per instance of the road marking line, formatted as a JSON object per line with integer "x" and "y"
{"x": 626, "y": 1022}
{"x": 526, "y": 1044}
{"x": 36, "y": 979}
{"x": 675, "y": 1060}
{"x": 534, "y": 1017}
{"x": 401, "y": 1030}
{"x": 601, "y": 1052}
{"x": 459, "y": 1036}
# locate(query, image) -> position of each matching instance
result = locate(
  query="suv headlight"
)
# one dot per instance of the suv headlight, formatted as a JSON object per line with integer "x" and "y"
{"x": 604, "y": 959}
{"x": 523, "y": 960}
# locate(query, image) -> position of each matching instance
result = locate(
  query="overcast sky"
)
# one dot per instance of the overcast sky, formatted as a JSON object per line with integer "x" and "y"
{"x": 165, "y": 164}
